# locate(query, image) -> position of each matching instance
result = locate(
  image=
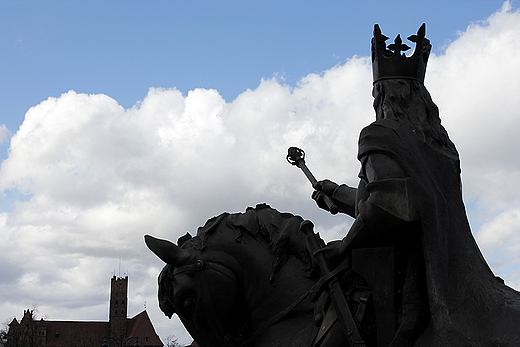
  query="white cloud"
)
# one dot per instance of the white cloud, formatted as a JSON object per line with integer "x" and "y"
{"x": 499, "y": 238}
{"x": 476, "y": 86}
{"x": 4, "y": 133}
{"x": 98, "y": 177}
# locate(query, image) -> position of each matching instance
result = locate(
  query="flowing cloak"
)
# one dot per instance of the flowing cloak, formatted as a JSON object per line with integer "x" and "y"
{"x": 468, "y": 304}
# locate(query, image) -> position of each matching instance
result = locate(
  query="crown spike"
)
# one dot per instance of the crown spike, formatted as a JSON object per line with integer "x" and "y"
{"x": 420, "y": 34}
{"x": 398, "y": 46}
{"x": 422, "y": 30}
{"x": 378, "y": 34}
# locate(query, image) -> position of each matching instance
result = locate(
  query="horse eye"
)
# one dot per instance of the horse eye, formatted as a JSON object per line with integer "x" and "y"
{"x": 188, "y": 303}
{"x": 165, "y": 287}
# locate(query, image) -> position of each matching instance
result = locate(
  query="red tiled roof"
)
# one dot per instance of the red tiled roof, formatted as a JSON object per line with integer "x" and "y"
{"x": 141, "y": 325}
{"x": 73, "y": 333}
{"x": 84, "y": 333}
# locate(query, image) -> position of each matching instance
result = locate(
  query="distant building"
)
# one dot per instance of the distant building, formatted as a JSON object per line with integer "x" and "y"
{"x": 119, "y": 331}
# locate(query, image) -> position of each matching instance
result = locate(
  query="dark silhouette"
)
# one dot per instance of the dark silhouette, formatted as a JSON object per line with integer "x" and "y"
{"x": 245, "y": 279}
{"x": 409, "y": 199}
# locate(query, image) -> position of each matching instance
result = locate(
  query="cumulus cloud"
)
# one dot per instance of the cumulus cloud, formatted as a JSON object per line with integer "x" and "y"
{"x": 4, "y": 133}
{"x": 502, "y": 233}
{"x": 475, "y": 84}
{"x": 96, "y": 177}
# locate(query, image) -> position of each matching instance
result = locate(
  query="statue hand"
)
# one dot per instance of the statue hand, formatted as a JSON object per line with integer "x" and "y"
{"x": 332, "y": 254}
{"x": 326, "y": 187}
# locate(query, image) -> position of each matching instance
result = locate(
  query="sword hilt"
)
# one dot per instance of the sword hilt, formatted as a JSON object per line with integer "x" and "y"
{"x": 333, "y": 287}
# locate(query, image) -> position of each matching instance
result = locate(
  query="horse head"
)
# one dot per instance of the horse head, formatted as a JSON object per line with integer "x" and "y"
{"x": 204, "y": 294}
{"x": 238, "y": 272}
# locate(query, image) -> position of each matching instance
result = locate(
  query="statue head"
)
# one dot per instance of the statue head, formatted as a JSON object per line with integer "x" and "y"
{"x": 399, "y": 91}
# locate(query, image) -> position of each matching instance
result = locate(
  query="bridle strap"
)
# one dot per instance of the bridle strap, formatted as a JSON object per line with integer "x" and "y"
{"x": 198, "y": 267}
{"x": 212, "y": 311}
{"x": 314, "y": 291}
{"x": 201, "y": 265}
{"x": 266, "y": 325}
{"x": 205, "y": 265}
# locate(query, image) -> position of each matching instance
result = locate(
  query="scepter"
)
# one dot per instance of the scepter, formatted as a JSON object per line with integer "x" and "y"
{"x": 296, "y": 157}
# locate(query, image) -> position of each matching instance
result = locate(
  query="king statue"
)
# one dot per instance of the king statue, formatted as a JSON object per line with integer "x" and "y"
{"x": 409, "y": 200}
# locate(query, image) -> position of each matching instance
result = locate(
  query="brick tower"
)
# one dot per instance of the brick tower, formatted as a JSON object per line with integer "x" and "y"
{"x": 118, "y": 306}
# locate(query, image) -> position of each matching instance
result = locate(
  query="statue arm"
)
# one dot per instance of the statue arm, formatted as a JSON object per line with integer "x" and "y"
{"x": 388, "y": 200}
{"x": 345, "y": 198}
{"x": 383, "y": 199}
{"x": 342, "y": 195}
{"x": 385, "y": 202}
{"x": 382, "y": 202}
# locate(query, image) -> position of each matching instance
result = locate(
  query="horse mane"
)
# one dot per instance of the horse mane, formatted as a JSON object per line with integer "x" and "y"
{"x": 280, "y": 231}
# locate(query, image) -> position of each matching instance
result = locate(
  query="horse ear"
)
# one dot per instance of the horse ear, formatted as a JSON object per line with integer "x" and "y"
{"x": 169, "y": 252}
{"x": 183, "y": 239}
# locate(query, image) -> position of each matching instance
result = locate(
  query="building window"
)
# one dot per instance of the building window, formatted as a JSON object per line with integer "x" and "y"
{"x": 41, "y": 331}
{"x": 146, "y": 339}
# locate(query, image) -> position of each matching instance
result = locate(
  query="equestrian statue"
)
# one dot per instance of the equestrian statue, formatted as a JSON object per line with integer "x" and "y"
{"x": 408, "y": 272}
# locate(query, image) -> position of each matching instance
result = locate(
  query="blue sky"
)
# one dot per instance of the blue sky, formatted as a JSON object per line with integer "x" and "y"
{"x": 122, "y": 48}
{"x": 123, "y": 118}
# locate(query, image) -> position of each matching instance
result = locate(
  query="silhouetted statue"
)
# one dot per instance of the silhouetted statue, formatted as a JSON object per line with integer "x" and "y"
{"x": 409, "y": 200}
{"x": 408, "y": 273}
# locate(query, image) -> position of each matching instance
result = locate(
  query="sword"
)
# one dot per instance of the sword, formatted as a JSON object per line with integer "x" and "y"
{"x": 296, "y": 157}
{"x": 332, "y": 287}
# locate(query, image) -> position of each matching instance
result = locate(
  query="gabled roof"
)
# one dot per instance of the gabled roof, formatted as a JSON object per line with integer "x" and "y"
{"x": 86, "y": 333}
{"x": 141, "y": 325}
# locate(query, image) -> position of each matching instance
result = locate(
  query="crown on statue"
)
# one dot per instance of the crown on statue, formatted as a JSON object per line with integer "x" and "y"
{"x": 389, "y": 62}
